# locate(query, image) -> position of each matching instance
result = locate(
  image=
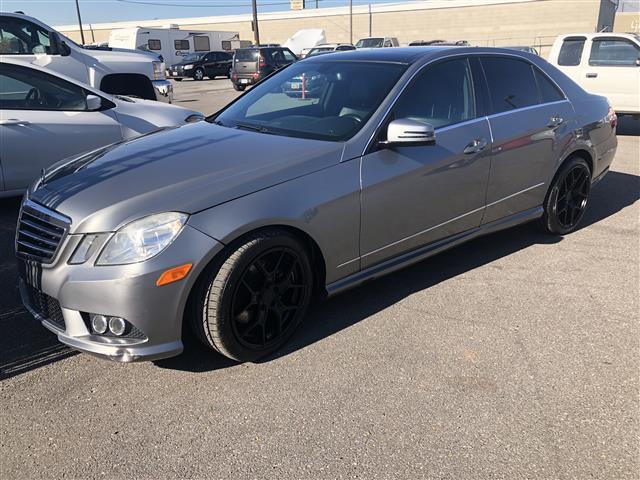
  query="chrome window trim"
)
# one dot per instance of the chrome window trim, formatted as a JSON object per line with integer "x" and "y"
{"x": 376, "y": 130}
{"x": 523, "y": 109}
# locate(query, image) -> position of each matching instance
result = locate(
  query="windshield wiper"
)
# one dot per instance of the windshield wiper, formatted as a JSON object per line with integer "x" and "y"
{"x": 255, "y": 128}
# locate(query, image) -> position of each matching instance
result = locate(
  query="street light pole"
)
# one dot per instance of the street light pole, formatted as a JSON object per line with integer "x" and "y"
{"x": 351, "y": 22}
{"x": 256, "y": 32}
{"x": 80, "y": 22}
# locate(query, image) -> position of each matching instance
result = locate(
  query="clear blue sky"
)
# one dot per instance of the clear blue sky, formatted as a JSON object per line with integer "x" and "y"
{"x": 62, "y": 12}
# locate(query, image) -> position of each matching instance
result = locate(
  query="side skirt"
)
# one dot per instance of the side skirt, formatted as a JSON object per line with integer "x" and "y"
{"x": 431, "y": 249}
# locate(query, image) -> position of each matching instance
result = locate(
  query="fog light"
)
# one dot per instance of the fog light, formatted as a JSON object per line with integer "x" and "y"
{"x": 117, "y": 325}
{"x": 99, "y": 323}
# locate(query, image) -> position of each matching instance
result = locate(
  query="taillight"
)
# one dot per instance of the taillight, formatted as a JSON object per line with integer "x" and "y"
{"x": 255, "y": 75}
{"x": 262, "y": 62}
{"x": 612, "y": 118}
{"x": 234, "y": 76}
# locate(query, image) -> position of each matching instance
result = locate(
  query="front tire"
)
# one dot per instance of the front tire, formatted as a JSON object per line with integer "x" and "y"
{"x": 198, "y": 74}
{"x": 566, "y": 200}
{"x": 252, "y": 301}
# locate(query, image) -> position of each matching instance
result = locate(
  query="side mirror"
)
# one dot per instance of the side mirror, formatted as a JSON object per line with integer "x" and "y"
{"x": 409, "y": 132}
{"x": 64, "y": 49}
{"x": 94, "y": 102}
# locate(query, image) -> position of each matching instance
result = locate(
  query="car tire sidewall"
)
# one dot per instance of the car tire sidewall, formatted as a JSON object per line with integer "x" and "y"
{"x": 198, "y": 73}
{"x": 221, "y": 304}
{"x": 550, "y": 221}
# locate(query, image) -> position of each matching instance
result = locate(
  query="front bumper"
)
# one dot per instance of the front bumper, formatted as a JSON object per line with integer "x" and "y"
{"x": 126, "y": 291}
{"x": 163, "y": 90}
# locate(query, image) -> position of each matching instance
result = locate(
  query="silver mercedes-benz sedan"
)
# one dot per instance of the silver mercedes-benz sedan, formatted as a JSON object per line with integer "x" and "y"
{"x": 231, "y": 225}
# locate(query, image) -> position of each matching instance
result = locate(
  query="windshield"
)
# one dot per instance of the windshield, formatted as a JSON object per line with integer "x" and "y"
{"x": 370, "y": 43}
{"x": 319, "y": 100}
{"x": 192, "y": 57}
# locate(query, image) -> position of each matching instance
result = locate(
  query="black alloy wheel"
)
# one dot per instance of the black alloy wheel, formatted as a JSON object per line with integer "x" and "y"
{"x": 567, "y": 199}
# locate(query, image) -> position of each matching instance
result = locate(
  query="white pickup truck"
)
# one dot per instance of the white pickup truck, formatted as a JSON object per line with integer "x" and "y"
{"x": 115, "y": 71}
{"x": 606, "y": 64}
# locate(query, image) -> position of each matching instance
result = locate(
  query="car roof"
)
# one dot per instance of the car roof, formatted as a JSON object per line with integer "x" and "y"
{"x": 397, "y": 54}
{"x": 630, "y": 36}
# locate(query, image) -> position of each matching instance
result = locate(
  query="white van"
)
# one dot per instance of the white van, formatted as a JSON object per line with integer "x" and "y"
{"x": 603, "y": 63}
{"x": 121, "y": 72}
{"x": 172, "y": 43}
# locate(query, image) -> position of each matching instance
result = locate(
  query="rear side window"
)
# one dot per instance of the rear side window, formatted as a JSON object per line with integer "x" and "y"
{"x": 154, "y": 44}
{"x": 613, "y": 52}
{"x": 201, "y": 43}
{"x": 181, "y": 44}
{"x": 548, "y": 91}
{"x": 571, "y": 52}
{"x": 441, "y": 96}
{"x": 511, "y": 83}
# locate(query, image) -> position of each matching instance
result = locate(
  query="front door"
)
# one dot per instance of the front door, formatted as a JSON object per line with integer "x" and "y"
{"x": 415, "y": 195}
{"x": 44, "y": 119}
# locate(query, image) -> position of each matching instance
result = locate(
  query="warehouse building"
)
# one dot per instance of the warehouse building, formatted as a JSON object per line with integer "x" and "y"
{"x": 480, "y": 22}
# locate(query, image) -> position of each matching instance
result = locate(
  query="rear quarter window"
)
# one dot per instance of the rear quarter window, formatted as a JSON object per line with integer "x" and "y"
{"x": 571, "y": 52}
{"x": 548, "y": 91}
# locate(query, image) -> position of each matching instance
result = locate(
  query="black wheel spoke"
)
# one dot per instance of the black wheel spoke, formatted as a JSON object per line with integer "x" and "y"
{"x": 572, "y": 196}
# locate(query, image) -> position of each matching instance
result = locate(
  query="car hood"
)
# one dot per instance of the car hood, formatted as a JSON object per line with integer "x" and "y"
{"x": 186, "y": 169}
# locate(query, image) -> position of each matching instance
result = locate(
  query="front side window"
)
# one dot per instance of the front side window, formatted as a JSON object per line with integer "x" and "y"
{"x": 181, "y": 44}
{"x": 571, "y": 52}
{"x": 23, "y": 88}
{"x": 315, "y": 99}
{"x": 511, "y": 83}
{"x": 154, "y": 44}
{"x": 288, "y": 56}
{"x": 613, "y": 52}
{"x": 442, "y": 95}
{"x": 19, "y": 37}
{"x": 201, "y": 43}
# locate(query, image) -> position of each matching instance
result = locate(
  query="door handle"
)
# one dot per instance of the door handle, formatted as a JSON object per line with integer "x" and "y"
{"x": 476, "y": 146}
{"x": 555, "y": 121}
{"x": 592, "y": 75}
{"x": 13, "y": 121}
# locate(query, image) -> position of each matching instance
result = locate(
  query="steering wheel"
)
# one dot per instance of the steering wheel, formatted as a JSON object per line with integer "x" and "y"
{"x": 354, "y": 116}
{"x": 33, "y": 98}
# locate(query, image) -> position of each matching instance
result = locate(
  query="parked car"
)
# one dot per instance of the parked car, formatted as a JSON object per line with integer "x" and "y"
{"x": 200, "y": 65}
{"x": 231, "y": 225}
{"x": 440, "y": 43}
{"x": 377, "y": 42}
{"x": 253, "y": 64}
{"x": 119, "y": 72}
{"x": 604, "y": 64}
{"x": 523, "y": 49}
{"x": 46, "y": 117}
{"x": 329, "y": 48}
{"x": 308, "y": 85}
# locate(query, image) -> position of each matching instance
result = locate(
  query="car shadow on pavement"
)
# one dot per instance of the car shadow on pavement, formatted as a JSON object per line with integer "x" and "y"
{"x": 615, "y": 192}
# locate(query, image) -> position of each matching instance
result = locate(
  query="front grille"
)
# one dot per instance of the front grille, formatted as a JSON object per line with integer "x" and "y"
{"x": 45, "y": 306}
{"x": 40, "y": 232}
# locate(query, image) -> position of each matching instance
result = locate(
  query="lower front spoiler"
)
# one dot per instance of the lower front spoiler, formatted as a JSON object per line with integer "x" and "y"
{"x": 123, "y": 350}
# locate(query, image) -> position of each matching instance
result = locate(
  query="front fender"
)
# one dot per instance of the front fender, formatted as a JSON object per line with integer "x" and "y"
{"x": 325, "y": 205}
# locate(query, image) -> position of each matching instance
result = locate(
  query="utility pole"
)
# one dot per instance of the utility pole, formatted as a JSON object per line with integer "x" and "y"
{"x": 351, "y": 22}
{"x": 256, "y": 32}
{"x": 80, "y": 22}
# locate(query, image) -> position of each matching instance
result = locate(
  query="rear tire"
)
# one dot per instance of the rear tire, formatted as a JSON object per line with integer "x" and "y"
{"x": 566, "y": 200}
{"x": 178, "y": 79}
{"x": 239, "y": 88}
{"x": 252, "y": 300}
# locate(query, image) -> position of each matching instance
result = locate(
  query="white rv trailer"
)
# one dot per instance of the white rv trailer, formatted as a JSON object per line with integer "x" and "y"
{"x": 171, "y": 42}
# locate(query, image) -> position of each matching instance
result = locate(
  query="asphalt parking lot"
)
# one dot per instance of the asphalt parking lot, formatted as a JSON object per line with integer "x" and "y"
{"x": 514, "y": 356}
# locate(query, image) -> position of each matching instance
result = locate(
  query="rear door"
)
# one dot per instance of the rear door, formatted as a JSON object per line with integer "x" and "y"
{"x": 417, "y": 194}
{"x": 531, "y": 121}
{"x": 611, "y": 71}
{"x": 44, "y": 119}
{"x": 210, "y": 64}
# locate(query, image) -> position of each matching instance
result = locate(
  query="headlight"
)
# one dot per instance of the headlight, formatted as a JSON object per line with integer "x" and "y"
{"x": 188, "y": 67}
{"x": 158, "y": 70}
{"x": 142, "y": 239}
